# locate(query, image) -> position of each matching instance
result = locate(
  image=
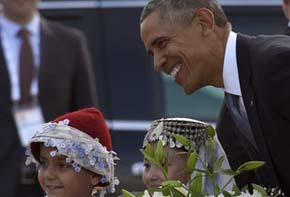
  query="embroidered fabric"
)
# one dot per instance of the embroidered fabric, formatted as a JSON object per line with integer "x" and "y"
{"x": 164, "y": 129}
{"x": 197, "y": 132}
{"x": 81, "y": 151}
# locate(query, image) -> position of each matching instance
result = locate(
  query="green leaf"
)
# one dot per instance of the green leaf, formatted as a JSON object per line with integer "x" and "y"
{"x": 197, "y": 194}
{"x": 171, "y": 183}
{"x": 182, "y": 190}
{"x": 196, "y": 184}
{"x": 226, "y": 194}
{"x": 127, "y": 194}
{"x": 209, "y": 147}
{"x": 218, "y": 163}
{"x": 216, "y": 189}
{"x": 148, "y": 156}
{"x": 201, "y": 171}
{"x": 236, "y": 190}
{"x": 159, "y": 152}
{"x": 166, "y": 191}
{"x": 260, "y": 189}
{"x": 229, "y": 172}
{"x": 210, "y": 131}
{"x": 183, "y": 140}
{"x": 251, "y": 165}
{"x": 191, "y": 162}
{"x": 149, "y": 150}
{"x": 177, "y": 193}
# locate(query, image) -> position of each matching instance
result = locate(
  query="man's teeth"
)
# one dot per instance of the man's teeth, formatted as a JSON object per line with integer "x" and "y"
{"x": 175, "y": 71}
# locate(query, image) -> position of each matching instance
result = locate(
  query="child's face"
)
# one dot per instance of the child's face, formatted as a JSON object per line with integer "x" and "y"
{"x": 153, "y": 176}
{"x": 59, "y": 179}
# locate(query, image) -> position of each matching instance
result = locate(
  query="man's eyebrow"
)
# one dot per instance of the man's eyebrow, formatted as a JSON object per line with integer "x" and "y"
{"x": 158, "y": 39}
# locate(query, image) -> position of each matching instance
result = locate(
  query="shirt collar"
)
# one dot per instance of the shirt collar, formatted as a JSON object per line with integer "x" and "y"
{"x": 289, "y": 24}
{"x": 9, "y": 27}
{"x": 230, "y": 67}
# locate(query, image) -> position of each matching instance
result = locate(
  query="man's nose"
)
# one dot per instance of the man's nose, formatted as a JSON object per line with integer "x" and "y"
{"x": 159, "y": 62}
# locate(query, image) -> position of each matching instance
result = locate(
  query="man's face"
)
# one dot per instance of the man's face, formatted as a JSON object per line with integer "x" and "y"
{"x": 178, "y": 50}
{"x": 19, "y": 9}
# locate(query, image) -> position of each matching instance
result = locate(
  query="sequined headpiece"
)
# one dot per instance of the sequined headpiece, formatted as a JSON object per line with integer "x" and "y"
{"x": 84, "y": 138}
{"x": 165, "y": 129}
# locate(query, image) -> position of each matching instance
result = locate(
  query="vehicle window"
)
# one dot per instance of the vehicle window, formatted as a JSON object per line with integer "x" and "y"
{"x": 204, "y": 104}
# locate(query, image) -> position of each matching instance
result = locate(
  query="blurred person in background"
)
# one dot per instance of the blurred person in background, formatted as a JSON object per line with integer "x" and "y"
{"x": 286, "y": 10}
{"x": 45, "y": 71}
{"x": 192, "y": 41}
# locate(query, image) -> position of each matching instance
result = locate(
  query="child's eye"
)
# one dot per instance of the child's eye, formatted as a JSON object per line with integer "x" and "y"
{"x": 42, "y": 163}
{"x": 64, "y": 165}
{"x": 147, "y": 165}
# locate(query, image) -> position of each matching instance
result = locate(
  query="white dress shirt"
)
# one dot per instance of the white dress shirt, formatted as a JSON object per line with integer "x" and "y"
{"x": 11, "y": 44}
{"x": 231, "y": 78}
{"x": 230, "y": 71}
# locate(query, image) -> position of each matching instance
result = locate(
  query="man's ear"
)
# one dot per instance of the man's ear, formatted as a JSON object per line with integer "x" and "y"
{"x": 286, "y": 2}
{"x": 206, "y": 20}
{"x": 286, "y": 8}
{"x": 95, "y": 179}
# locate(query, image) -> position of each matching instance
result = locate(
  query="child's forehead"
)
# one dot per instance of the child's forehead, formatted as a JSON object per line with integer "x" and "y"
{"x": 46, "y": 151}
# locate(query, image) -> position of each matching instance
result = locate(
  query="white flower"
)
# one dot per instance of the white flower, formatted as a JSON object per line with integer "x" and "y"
{"x": 155, "y": 194}
{"x": 247, "y": 194}
{"x": 244, "y": 194}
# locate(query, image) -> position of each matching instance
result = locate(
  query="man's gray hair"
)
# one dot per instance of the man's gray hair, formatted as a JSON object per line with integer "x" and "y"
{"x": 183, "y": 11}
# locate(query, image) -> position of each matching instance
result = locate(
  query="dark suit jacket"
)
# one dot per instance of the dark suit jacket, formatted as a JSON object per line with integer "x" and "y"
{"x": 287, "y": 31}
{"x": 264, "y": 72}
{"x": 66, "y": 83}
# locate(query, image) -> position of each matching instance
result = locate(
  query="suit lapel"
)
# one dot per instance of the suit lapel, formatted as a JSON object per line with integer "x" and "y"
{"x": 5, "y": 85}
{"x": 245, "y": 74}
{"x": 46, "y": 52}
{"x": 287, "y": 31}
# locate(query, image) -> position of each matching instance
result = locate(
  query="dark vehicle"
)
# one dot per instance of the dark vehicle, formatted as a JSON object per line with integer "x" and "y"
{"x": 130, "y": 93}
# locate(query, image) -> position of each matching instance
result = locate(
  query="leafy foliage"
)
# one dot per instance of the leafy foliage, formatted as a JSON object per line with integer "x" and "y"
{"x": 175, "y": 188}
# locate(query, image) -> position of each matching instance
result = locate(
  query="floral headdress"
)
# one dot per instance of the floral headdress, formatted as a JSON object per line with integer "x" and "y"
{"x": 164, "y": 129}
{"x": 84, "y": 138}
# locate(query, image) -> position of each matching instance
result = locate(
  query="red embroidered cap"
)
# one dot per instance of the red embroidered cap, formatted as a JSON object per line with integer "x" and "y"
{"x": 90, "y": 121}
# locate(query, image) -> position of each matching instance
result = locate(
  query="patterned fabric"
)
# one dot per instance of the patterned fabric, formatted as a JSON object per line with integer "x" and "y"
{"x": 197, "y": 132}
{"x": 165, "y": 129}
{"x": 81, "y": 151}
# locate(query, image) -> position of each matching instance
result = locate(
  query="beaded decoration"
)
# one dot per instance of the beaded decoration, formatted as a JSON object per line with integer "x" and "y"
{"x": 81, "y": 151}
{"x": 164, "y": 129}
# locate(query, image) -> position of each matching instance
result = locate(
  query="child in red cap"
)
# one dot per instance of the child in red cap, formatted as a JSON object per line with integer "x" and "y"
{"x": 74, "y": 155}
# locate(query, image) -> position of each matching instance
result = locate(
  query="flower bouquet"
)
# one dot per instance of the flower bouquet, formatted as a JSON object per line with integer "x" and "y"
{"x": 194, "y": 186}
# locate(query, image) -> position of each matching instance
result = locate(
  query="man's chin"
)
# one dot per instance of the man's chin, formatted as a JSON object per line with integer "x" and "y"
{"x": 190, "y": 90}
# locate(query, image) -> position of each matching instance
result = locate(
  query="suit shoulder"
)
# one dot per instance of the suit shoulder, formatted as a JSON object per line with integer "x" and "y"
{"x": 272, "y": 43}
{"x": 62, "y": 30}
{"x": 271, "y": 53}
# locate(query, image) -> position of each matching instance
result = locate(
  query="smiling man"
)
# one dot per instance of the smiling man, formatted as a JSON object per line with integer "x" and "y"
{"x": 192, "y": 41}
